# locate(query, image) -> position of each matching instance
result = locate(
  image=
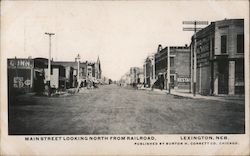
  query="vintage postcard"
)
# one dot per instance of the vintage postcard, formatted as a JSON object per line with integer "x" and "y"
{"x": 124, "y": 77}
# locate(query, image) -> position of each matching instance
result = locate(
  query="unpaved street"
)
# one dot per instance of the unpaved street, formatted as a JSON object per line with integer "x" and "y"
{"x": 115, "y": 110}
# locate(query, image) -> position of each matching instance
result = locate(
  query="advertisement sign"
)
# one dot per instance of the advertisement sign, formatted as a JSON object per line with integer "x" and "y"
{"x": 20, "y": 63}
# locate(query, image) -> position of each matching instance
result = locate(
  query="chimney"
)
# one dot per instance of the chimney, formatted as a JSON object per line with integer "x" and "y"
{"x": 159, "y": 48}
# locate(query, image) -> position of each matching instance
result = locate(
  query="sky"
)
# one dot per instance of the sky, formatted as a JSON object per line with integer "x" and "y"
{"x": 121, "y": 33}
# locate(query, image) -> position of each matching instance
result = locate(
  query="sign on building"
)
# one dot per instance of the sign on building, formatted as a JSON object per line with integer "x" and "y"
{"x": 20, "y": 63}
{"x": 183, "y": 79}
{"x": 203, "y": 52}
{"x": 20, "y": 75}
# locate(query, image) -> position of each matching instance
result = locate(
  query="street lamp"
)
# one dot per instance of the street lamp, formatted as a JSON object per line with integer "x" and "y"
{"x": 49, "y": 63}
{"x": 78, "y": 68}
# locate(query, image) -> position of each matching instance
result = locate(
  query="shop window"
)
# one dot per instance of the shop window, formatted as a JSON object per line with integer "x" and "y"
{"x": 240, "y": 43}
{"x": 224, "y": 44}
{"x": 239, "y": 77}
{"x": 239, "y": 71}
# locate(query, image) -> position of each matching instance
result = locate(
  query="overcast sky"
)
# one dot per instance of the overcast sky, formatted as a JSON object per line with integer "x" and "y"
{"x": 121, "y": 33}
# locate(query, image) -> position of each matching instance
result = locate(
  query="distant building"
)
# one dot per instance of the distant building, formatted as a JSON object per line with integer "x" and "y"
{"x": 140, "y": 76}
{"x": 134, "y": 75}
{"x": 94, "y": 71}
{"x": 98, "y": 69}
{"x": 87, "y": 70}
{"x": 220, "y": 58}
{"x": 71, "y": 72}
{"x": 125, "y": 80}
{"x": 57, "y": 76}
{"x": 90, "y": 70}
{"x": 149, "y": 71}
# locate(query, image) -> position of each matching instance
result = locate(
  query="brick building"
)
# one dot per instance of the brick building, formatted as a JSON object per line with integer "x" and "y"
{"x": 220, "y": 58}
{"x": 179, "y": 67}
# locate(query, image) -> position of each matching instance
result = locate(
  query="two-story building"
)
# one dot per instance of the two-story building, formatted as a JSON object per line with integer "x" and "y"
{"x": 220, "y": 58}
{"x": 179, "y": 67}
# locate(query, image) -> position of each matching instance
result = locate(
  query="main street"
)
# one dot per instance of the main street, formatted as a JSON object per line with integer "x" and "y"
{"x": 112, "y": 109}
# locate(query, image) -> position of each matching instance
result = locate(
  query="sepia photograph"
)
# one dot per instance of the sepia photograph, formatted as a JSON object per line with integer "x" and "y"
{"x": 125, "y": 68}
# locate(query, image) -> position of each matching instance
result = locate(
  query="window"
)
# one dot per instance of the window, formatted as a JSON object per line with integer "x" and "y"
{"x": 239, "y": 77}
{"x": 213, "y": 46}
{"x": 171, "y": 61}
{"x": 224, "y": 44}
{"x": 239, "y": 71}
{"x": 240, "y": 43}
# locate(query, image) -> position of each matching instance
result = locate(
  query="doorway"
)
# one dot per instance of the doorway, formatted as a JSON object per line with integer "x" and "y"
{"x": 223, "y": 77}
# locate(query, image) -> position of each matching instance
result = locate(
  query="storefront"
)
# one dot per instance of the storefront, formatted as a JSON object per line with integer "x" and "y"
{"x": 20, "y": 75}
{"x": 220, "y": 58}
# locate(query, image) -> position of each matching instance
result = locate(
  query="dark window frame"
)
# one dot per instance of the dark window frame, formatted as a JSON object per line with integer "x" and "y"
{"x": 223, "y": 42}
{"x": 240, "y": 43}
{"x": 171, "y": 62}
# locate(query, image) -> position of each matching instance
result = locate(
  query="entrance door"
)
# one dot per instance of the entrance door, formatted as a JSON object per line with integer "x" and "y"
{"x": 223, "y": 77}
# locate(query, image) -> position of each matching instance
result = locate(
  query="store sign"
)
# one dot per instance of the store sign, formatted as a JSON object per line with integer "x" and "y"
{"x": 27, "y": 82}
{"x": 20, "y": 63}
{"x": 183, "y": 79}
{"x": 203, "y": 52}
{"x": 19, "y": 82}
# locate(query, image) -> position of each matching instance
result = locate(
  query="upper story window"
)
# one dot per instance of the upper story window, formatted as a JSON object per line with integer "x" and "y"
{"x": 240, "y": 43}
{"x": 212, "y": 46}
{"x": 171, "y": 61}
{"x": 224, "y": 44}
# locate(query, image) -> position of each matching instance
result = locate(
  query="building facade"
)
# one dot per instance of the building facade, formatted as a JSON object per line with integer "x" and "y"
{"x": 98, "y": 69}
{"x": 179, "y": 67}
{"x": 31, "y": 75}
{"x": 149, "y": 71}
{"x": 57, "y": 76}
{"x": 220, "y": 58}
{"x": 20, "y": 75}
{"x": 134, "y": 75}
{"x": 72, "y": 71}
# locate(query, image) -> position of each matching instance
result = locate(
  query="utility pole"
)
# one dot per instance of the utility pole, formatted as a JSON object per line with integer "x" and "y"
{"x": 78, "y": 72}
{"x": 153, "y": 65}
{"x": 49, "y": 63}
{"x": 78, "y": 68}
{"x": 194, "y": 54}
{"x": 168, "y": 71}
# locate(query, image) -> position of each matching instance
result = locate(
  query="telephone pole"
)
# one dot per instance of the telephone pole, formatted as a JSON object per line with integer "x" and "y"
{"x": 193, "y": 54}
{"x": 78, "y": 68}
{"x": 49, "y": 63}
{"x": 168, "y": 72}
